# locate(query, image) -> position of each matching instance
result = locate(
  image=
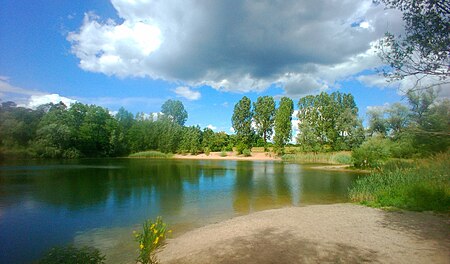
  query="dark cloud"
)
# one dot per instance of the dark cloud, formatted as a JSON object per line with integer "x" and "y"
{"x": 237, "y": 45}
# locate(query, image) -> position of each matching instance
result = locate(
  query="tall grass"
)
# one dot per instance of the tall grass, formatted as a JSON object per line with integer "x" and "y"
{"x": 327, "y": 157}
{"x": 151, "y": 154}
{"x": 420, "y": 186}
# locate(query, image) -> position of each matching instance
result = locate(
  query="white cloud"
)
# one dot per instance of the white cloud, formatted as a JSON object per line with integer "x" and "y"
{"x": 211, "y": 127}
{"x": 232, "y": 130}
{"x": 188, "y": 93}
{"x": 37, "y": 100}
{"x": 232, "y": 46}
{"x": 6, "y": 87}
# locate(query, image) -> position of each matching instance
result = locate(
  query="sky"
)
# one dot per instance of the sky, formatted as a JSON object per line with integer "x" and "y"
{"x": 137, "y": 54}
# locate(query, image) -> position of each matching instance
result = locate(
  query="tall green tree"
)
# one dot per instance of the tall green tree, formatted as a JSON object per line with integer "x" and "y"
{"x": 242, "y": 123}
{"x": 263, "y": 115}
{"x": 175, "y": 110}
{"x": 424, "y": 48}
{"x": 283, "y": 125}
{"x": 329, "y": 122}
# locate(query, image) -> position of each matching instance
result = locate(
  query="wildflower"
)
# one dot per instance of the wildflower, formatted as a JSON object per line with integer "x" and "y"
{"x": 141, "y": 246}
{"x": 152, "y": 226}
{"x": 156, "y": 240}
{"x": 170, "y": 231}
{"x": 155, "y": 231}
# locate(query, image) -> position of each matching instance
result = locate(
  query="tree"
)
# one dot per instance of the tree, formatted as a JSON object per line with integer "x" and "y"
{"x": 263, "y": 115}
{"x": 398, "y": 118}
{"x": 425, "y": 47}
{"x": 242, "y": 123}
{"x": 283, "y": 126}
{"x": 377, "y": 122}
{"x": 329, "y": 122}
{"x": 175, "y": 110}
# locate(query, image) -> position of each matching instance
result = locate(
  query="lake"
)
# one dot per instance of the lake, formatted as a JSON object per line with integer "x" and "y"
{"x": 99, "y": 202}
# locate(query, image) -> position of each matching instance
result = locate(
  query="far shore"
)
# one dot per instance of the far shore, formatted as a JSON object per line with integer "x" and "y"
{"x": 256, "y": 156}
{"x": 338, "y": 233}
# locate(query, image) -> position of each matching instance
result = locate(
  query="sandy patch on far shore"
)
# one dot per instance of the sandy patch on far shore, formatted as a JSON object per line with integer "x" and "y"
{"x": 340, "y": 233}
{"x": 230, "y": 156}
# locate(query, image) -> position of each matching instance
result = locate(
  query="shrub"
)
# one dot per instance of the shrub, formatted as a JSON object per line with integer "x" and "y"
{"x": 240, "y": 148}
{"x": 342, "y": 158}
{"x": 246, "y": 153}
{"x": 73, "y": 255}
{"x": 207, "y": 151}
{"x": 223, "y": 153}
{"x": 419, "y": 186}
{"x": 372, "y": 153}
{"x": 151, "y": 238}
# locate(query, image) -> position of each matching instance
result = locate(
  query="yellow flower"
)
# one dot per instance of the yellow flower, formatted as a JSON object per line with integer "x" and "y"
{"x": 155, "y": 231}
{"x": 141, "y": 246}
{"x": 152, "y": 226}
{"x": 156, "y": 240}
{"x": 170, "y": 231}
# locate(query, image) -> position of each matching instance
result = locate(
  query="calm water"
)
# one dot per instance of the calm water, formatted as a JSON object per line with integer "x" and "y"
{"x": 99, "y": 202}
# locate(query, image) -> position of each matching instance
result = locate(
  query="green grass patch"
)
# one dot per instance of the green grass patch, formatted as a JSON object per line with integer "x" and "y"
{"x": 420, "y": 186}
{"x": 343, "y": 157}
{"x": 151, "y": 154}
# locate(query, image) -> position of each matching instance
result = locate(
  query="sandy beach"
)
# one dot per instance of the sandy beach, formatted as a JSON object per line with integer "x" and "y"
{"x": 259, "y": 156}
{"x": 339, "y": 233}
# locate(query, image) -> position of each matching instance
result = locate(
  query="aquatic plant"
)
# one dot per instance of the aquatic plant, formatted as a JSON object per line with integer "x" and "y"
{"x": 150, "y": 239}
{"x": 73, "y": 255}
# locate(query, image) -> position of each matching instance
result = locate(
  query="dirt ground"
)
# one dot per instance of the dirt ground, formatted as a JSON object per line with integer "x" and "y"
{"x": 339, "y": 233}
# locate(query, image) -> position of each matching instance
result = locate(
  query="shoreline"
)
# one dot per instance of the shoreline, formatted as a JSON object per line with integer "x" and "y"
{"x": 343, "y": 233}
{"x": 256, "y": 156}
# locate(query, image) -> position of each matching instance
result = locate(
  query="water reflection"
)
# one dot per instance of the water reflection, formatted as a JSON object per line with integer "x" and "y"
{"x": 45, "y": 203}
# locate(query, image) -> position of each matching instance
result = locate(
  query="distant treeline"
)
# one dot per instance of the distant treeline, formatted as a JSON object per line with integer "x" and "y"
{"x": 326, "y": 122}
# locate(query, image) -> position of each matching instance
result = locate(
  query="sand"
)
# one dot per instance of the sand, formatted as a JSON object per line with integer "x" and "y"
{"x": 259, "y": 156}
{"x": 339, "y": 233}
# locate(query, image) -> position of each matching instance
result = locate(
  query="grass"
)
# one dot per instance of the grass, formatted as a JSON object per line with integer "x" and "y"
{"x": 420, "y": 186}
{"x": 151, "y": 154}
{"x": 342, "y": 157}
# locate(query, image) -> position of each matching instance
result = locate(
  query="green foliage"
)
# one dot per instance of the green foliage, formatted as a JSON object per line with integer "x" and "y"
{"x": 419, "y": 186}
{"x": 150, "y": 154}
{"x": 372, "y": 153}
{"x": 207, "y": 151}
{"x": 263, "y": 115}
{"x": 242, "y": 122}
{"x": 191, "y": 140}
{"x": 283, "y": 127}
{"x": 223, "y": 153}
{"x": 73, "y": 255}
{"x": 246, "y": 153}
{"x": 329, "y": 122}
{"x": 423, "y": 48}
{"x": 174, "y": 109}
{"x": 150, "y": 239}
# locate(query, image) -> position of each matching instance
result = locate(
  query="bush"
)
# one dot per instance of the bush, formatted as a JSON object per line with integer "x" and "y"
{"x": 246, "y": 153}
{"x": 151, "y": 238}
{"x": 372, "y": 153}
{"x": 342, "y": 158}
{"x": 223, "y": 153}
{"x": 240, "y": 148}
{"x": 419, "y": 186}
{"x": 207, "y": 151}
{"x": 73, "y": 255}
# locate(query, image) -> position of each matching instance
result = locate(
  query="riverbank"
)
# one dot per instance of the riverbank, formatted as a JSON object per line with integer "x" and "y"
{"x": 339, "y": 233}
{"x": 230, "y": 155}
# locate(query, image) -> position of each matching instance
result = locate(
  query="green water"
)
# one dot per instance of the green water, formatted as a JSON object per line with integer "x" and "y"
{"x": 99, "y": 202}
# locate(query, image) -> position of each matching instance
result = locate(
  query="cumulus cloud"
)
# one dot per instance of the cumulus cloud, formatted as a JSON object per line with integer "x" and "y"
{"x": 188, "y": 93}
{"x": 37, "y": 100}
{"x": 211, "y": 127}
{"x": 240, "y": 46}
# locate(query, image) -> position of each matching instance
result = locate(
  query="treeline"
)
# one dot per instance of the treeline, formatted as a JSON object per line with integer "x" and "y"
{"x": 416, "y": 130}
{"x": 58, "y": 131}
{"x": 326, "y": 122}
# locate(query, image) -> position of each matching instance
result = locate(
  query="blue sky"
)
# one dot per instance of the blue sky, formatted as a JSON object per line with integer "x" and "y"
{"x": 208, "y": 54}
